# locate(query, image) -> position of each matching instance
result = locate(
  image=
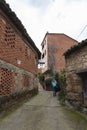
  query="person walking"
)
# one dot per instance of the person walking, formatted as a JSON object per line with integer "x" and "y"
{"x": 54, "y": 85}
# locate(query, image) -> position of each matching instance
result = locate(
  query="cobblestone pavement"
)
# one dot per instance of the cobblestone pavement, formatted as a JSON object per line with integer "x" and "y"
{"x": 42, "y": 112}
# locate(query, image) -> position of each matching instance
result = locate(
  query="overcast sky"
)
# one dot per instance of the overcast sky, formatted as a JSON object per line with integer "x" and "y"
{"x": 54, "y": 16}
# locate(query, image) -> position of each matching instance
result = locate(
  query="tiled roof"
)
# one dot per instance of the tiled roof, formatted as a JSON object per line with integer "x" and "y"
{"x": 14, "y": 19}
{"x": 75, "y": 48}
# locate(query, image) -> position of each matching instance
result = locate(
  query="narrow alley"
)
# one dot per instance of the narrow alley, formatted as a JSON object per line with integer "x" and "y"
{"x": 42, "y": 112}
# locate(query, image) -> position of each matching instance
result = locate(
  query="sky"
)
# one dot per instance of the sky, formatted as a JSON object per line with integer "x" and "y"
{"x": 53, "y": 16}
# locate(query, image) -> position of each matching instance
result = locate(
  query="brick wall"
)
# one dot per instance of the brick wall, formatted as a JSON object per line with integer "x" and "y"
{"x": 14, "y": 79}
{"x": 57, "y": 45}
{"x": 13, "y": 47}
{"x": 18, "y": 61}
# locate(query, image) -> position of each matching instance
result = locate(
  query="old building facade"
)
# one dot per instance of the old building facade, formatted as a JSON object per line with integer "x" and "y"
{"x": 76, "y": 67}
{"x": 18, "y": 54}
{"x": 53, "y": 47}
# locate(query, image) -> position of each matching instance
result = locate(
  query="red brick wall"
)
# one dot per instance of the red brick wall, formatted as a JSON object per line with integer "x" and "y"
{"x": 57, "y": 45}
{"x": 13, "y": 47}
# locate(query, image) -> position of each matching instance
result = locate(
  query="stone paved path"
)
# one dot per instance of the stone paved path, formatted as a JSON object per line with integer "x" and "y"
{"x": 42, "y": 112}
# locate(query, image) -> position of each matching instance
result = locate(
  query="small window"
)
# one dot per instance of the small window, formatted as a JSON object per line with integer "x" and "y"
{"x": 9, "y": 36}
{"x": 42, "y": 46}
{"x": 27, "y": 51}
{"x": 43, "y": 56}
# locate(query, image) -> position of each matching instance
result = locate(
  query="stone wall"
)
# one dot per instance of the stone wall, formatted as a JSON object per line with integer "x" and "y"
{"x": 75, "y": 62}
{"x": 74, "y": 88}
{"x": 14, "y": 79}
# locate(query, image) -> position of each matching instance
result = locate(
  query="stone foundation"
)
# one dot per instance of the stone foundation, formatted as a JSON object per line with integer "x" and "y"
{"x": 14, "y": 79}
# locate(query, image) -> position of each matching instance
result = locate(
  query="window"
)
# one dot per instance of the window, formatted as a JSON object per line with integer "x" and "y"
{"x": 43, "y": 56}
{"x": 27, "y": 51}
{"x": 9, "y": 36}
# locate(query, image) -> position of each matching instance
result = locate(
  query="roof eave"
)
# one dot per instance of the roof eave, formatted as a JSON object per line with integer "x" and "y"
{"x": 12, "y": 16}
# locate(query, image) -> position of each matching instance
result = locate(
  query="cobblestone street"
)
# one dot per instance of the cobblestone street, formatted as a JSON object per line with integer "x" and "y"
{"x": 42, "y": 112}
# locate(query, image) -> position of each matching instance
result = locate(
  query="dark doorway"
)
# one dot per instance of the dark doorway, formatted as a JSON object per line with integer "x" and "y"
{"x": 84, "y": 81}
{"x": 84, "y": 84}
